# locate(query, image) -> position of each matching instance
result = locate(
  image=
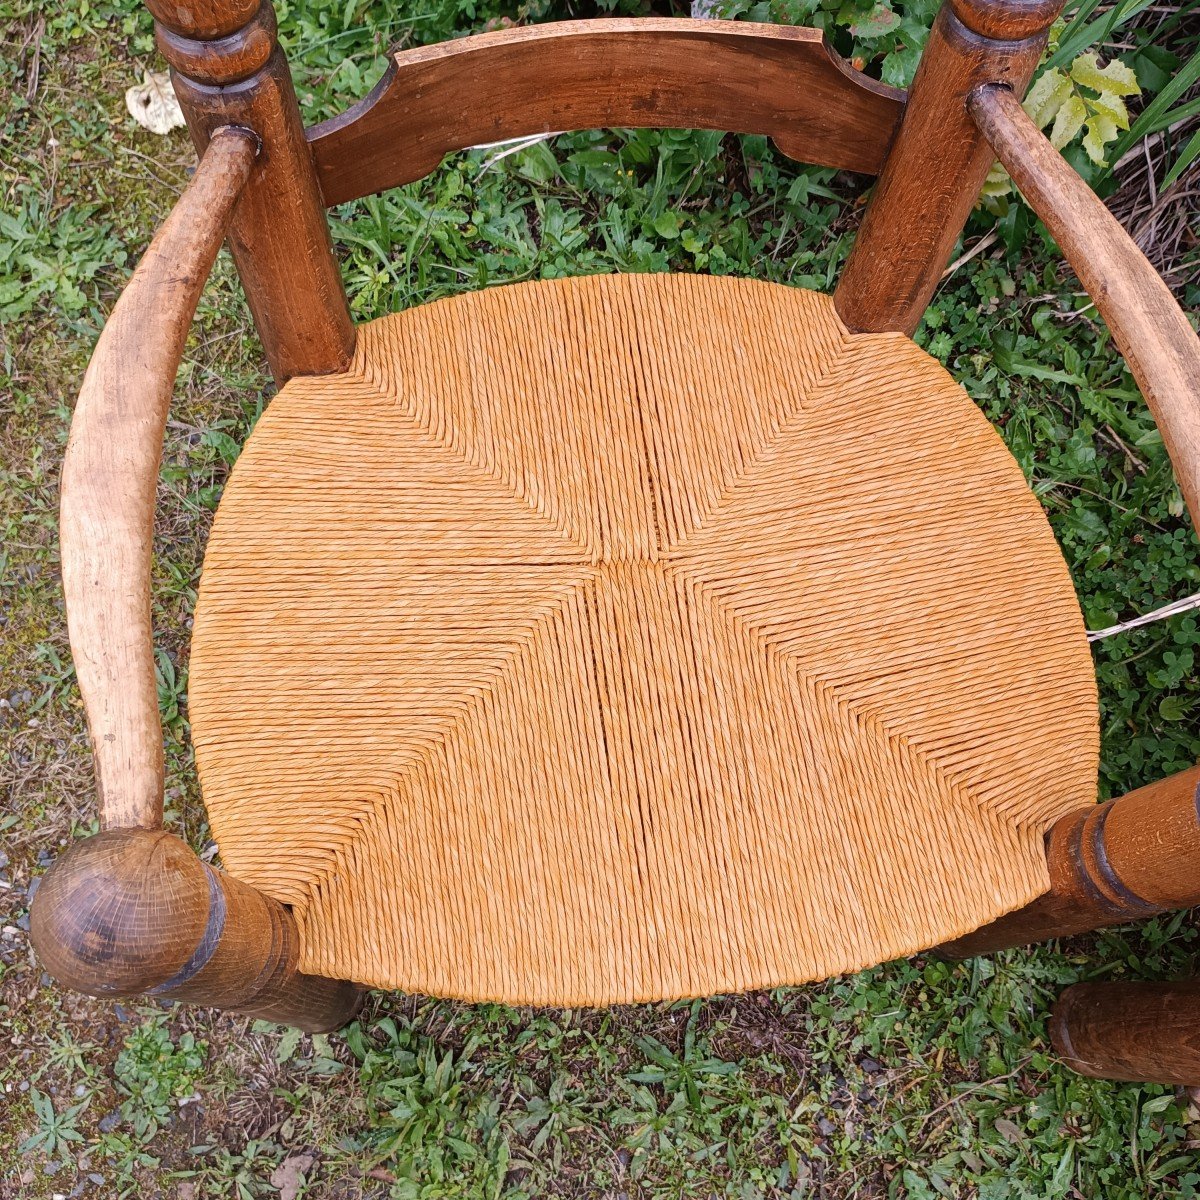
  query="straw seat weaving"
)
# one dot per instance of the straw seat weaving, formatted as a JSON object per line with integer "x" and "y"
{"x": 634, "y": 637}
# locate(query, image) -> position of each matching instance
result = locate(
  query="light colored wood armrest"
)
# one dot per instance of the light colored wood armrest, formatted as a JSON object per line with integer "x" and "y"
{"x": 109, "y": 479}
{"x": 1147, "y": 324}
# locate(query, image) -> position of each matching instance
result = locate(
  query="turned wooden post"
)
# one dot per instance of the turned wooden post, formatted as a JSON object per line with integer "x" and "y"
{"x": 228, "y": 69}
{"x": 134, "y": 912}
{"x": 1121, "y": 861}
{"x": 1140, "y": 1032}
{"x": 938, "y": 161}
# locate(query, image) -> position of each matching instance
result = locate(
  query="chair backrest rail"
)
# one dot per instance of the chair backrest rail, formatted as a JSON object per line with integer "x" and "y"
{"x": 647, "y": 73}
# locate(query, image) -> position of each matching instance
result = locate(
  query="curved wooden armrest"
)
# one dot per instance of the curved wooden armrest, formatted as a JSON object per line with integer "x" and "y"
{"x": 109, "y": 479}
{"x": 1147, "y": 324}
{"x": 132, "y": 910}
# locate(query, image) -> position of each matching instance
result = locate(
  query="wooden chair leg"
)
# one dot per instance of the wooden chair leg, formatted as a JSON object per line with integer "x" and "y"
{"x": 1116, "y": 862}
{"x": 938, "y": 160}
{"x": 1140, "y": 1032}
{"x": 134, "y": 912}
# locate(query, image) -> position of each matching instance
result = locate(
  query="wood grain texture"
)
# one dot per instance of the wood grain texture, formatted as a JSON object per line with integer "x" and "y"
{"x": 935, "y": 169}
{"x": 1116, "y": 862}
{"x": 638, "y": 72}
{"x": 279, "y": 237}
{"x": 109, "y": 477}
{"x": 134, "y": 912}
{"x": 1147, "y": 324}
{"x": 1006, "y": 20}
{"x": 203, "y": 18}
{"x": 1141, "y": 1032}
{"x": 628, "y": 637}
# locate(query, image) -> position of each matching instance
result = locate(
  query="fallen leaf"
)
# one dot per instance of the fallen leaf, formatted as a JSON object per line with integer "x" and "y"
{"x": 290, "y": 1173}
{"x": 1010, "y": 1132}
{"x": 152, "y": 103}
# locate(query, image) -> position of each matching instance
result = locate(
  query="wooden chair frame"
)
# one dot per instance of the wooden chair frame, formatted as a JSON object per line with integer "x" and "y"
{"x": 132, "y": 910}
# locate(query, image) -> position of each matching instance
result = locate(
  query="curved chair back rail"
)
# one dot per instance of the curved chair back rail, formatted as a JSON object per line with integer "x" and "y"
{"x": 1147, "y": 324}
{"x": 647, "y": 72}
{"x": 109, "y": 479}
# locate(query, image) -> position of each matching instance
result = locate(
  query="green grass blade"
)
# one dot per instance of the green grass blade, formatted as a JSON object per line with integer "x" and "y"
{"x": 1159, "y": 107}
{"x": 1095, "y": 33}
{"x": 1076, "y": 22}
{"x": 1187, "y": 156}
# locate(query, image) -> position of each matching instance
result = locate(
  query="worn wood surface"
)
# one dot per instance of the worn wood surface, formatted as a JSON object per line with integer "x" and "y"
{"x": 937, "y": 163}
{"x": 1142, "y": 1032}
{"x": 204, "y": 18}
{"x": 1147, "y": 324}
{"x": 132, "y": 911}
{"x": 109, "y": 477}
{"x": 278, "y": 235}
{"x": 1115, "y": 862}
{"x": 636, "y": 72}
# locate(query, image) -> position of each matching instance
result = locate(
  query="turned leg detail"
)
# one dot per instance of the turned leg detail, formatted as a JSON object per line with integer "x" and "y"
{"x": 134, "y": 912}
{"x": 1141, "y": 1032}
{"x": 1122, "y": 861}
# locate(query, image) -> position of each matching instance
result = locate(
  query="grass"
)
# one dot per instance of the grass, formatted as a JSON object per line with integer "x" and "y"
{"x": 915, "y": 1079}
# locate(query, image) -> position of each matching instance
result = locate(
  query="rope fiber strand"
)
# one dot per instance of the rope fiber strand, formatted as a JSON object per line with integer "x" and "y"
{"x": 634, "y": 637}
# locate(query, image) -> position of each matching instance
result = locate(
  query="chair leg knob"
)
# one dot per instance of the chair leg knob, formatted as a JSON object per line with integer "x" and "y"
{"x": 134, "y": 912}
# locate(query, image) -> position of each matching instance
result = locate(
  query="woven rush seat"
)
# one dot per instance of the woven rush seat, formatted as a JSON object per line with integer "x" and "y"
{"x": 634, "y": 637}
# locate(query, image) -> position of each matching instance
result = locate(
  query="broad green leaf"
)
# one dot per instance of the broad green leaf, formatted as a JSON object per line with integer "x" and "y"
{"x": 1100, "y": 131}
{"x": 997, "y": 183}
{"x": 1046, "y": 97}
{"x": 1113, "y": 107}
{"x": 667, "y": 225}
{"x": 1069, "y": 121}
{"x": 1187, "y": 156}
{"x": 880, "y": 20}
{"x": 1157, "y": 109}
{"x": 1114, "y": 77}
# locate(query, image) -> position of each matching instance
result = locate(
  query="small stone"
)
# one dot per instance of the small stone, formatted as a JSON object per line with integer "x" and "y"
{"x": 109, "y": 1122}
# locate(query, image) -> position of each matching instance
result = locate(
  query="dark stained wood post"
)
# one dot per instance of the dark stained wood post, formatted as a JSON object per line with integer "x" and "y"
{"x": 1122, "y": 861}
{"x": 938, "y": 161}
{"x": 134, "y": 912}
{"x": 228, "y": 69}
{"x": 1141, "y": 1032}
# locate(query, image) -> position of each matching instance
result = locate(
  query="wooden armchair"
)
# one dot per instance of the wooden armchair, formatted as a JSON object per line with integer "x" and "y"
{"x": 614, "y": 638}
